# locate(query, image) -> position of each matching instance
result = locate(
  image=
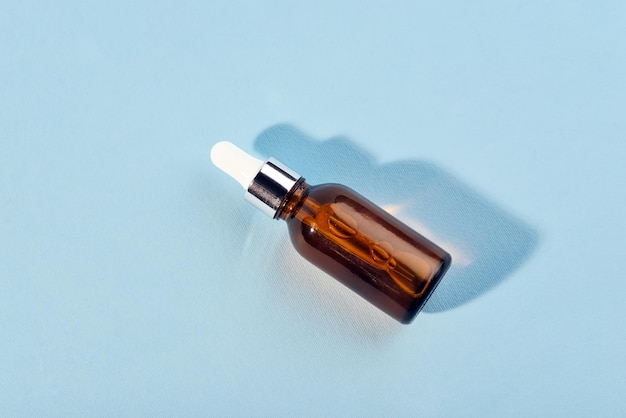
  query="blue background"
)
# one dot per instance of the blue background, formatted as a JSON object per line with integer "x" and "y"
{"x": 134, "y": 279}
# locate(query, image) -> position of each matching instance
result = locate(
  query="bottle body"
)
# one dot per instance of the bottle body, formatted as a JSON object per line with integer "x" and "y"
{"x": 364, "y": 247}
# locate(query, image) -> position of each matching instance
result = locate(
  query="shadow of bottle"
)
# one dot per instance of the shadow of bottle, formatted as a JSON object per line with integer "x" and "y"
{"x": 486, "y": 243}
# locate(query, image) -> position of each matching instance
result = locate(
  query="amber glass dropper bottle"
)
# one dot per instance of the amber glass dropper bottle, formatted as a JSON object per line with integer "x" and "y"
{"x": 341, "y": 232}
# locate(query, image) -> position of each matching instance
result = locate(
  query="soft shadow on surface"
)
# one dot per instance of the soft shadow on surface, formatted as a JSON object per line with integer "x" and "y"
{"x": 486, "y": 243}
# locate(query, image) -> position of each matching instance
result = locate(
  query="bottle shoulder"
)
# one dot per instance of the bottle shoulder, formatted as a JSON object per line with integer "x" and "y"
{"x": 328, "y": 192}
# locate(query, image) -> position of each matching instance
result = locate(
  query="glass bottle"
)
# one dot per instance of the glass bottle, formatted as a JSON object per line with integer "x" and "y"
{"x": 352, "y": 239}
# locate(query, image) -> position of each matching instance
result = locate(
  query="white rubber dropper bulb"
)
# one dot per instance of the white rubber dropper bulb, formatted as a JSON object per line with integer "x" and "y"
{"x": 235, "y": 162}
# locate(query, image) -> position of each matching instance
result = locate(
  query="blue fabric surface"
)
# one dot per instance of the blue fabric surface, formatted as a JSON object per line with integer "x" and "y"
{"x": 135, "y": 281}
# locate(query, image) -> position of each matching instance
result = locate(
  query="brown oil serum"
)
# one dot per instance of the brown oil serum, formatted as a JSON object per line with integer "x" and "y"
{"x": 341, "y": 232}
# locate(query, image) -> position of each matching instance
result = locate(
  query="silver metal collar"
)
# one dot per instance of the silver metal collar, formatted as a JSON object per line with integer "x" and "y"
{"x": 270, "y": 186}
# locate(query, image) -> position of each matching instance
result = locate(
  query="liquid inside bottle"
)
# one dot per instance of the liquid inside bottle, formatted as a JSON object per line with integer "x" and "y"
{"x": 365, "y": 248}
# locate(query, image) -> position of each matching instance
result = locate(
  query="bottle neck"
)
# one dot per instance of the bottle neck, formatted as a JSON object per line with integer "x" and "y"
{"x": 293, "y": 201}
